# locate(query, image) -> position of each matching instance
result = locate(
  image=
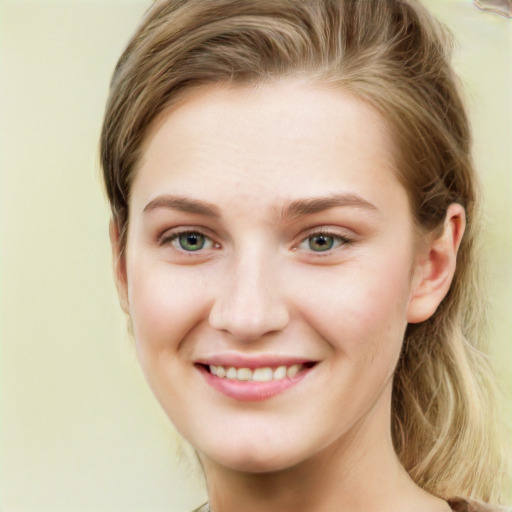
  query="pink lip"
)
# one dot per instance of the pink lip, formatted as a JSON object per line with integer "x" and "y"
{"x": 251, "y": 391}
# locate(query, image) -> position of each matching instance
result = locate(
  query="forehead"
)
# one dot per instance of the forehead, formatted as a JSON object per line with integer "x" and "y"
{"x": 273, "y": 140}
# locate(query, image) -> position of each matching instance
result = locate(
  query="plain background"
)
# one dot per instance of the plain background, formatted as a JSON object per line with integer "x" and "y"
{"x": 80, "y": 431}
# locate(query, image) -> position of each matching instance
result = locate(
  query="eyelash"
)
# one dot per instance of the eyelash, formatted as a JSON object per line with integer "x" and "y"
{"x": 173, "y": 237}
{"x": 339, "y": 241}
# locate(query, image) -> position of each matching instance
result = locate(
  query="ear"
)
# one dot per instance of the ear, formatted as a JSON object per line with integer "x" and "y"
{"x": 435, "y": 267}
{"x": 119, "y": 266}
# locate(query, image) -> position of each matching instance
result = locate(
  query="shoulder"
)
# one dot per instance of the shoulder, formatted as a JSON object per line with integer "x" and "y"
{"x": 202, "y": 508}
{"x": 466, "y": 505}
{"x": 456, "y": 504}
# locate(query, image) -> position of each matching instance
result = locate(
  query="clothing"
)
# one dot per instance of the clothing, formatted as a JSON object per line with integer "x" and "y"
{"x": 463, "y": 505}
{"x": 456, "y": 504}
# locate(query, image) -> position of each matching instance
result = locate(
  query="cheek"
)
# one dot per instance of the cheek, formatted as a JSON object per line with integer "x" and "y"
{"x": 164, "y": 305}
{"x": 362, "y": 312}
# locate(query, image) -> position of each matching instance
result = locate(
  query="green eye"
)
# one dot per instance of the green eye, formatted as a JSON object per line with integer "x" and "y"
{"x": 191, "y": 241}
{"x": 188, "y": 241}
{"x": 321, "y": 242}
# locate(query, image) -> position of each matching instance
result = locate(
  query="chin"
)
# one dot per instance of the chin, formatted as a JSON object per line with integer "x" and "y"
{"x": 256, "y": 464}
{"x": 253, "y": 459}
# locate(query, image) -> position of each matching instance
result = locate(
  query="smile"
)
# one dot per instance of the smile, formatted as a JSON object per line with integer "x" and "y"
{"x": 257, "y": 383}
{"x": 265, "y": 374}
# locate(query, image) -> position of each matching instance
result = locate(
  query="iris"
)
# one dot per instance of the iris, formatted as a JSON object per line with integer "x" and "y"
{"x": 321, "y": 242}
{"x": 191, "y": 241}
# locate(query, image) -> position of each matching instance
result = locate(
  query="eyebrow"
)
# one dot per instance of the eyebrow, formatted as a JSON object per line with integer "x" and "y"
{"x": 310, "y": 206}
{"x": 297, "y": 208}
{"x": 184, "y": 204}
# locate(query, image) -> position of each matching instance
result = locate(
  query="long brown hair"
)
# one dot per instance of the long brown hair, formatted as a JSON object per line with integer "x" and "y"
{"x": 396, "y": 57}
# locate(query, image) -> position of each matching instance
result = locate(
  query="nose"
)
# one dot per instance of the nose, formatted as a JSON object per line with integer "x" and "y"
{"x": 250, "y": 303}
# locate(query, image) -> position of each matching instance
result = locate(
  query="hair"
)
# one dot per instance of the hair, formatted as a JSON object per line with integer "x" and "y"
{"x": 395, "y": 56}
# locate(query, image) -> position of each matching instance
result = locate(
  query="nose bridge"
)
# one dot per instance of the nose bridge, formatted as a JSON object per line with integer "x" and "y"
{"x": 250, "y": 302}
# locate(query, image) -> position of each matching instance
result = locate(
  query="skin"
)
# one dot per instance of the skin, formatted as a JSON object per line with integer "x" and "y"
{"x": 260, "y": 286}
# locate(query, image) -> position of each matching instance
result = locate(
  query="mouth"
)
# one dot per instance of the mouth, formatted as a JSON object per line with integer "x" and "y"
{"x": 261, "y": 374}
{"x": 257, "y": 383}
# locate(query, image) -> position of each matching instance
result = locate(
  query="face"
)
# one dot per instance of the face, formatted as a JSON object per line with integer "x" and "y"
{"x": 268, "y": 271}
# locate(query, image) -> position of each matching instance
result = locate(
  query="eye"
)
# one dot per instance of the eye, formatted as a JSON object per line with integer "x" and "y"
{"x": 191, "y": 241}
{"x": 322, "y": 242}
{"x": 188, "y": 241}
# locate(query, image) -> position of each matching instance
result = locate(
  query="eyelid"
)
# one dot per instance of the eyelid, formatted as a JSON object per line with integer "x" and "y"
{"x": 170, "y": 235}
{"x": 328, "y": 231}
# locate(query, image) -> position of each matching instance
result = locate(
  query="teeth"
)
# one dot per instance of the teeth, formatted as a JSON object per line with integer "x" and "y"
{"x": 265, "y": 374}
{"x": 280, "y": 373}
{"x": 244, "y": 374}
{"x": 292, "y": 370}
{"x": 262, "y": 374}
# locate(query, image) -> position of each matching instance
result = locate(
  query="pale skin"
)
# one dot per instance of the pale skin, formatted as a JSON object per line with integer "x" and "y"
{"x": 268, "y": 222}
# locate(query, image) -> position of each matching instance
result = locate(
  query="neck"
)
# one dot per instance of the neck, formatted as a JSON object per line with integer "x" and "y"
{"x": 359, "y": 473}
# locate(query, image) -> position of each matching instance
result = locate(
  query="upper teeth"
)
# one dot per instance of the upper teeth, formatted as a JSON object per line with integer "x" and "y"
{"x": 258, "y": 374}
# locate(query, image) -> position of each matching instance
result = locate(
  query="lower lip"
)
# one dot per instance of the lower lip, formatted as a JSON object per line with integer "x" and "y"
{"x": 251, "y": 391}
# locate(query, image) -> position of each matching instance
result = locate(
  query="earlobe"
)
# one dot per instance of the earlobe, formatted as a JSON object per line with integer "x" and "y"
{"x": 119, "y": 266}
{"x": 436, "y": 267}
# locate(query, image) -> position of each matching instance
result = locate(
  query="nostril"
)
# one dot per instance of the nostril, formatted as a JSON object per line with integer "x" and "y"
{"x": 247, "y": 322}
{"x": 251, "y": 304}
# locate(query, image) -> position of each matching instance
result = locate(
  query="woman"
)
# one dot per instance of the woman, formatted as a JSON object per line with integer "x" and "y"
{"x": 295, "y": 215}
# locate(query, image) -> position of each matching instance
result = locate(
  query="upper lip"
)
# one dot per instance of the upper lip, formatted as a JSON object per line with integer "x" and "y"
{"x": 252, "y": 361}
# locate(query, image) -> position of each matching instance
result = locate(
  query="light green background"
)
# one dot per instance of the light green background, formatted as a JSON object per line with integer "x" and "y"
{"x": 79, "y": 429}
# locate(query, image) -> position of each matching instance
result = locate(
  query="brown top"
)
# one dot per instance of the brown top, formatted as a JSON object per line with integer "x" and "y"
{"x": 463, "y": 505}
{"x": 456, "y": 504}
